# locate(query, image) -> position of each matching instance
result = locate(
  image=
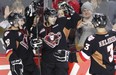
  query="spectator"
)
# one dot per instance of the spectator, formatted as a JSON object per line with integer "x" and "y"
{"x": 85, "y": 27}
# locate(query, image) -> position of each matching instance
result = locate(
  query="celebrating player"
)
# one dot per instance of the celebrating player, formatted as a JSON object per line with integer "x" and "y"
{"x": 18, "y": 50}
{"x": 99, "y": 48}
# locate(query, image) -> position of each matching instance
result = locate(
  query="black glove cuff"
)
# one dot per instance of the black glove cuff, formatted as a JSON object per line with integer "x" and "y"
{"x": 73, "y": 57}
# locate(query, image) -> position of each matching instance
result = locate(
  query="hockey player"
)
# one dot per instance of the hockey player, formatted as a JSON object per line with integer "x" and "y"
{"x": 99, "y": 48}
{"x": 34, "y": 10}
{"x": 18, "y": 50}
{"x": 54, "y": 45}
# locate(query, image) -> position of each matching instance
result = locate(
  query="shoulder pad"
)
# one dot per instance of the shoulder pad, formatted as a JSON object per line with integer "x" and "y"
{"x": 91, "y": 37}
{"x": 6, "y": 33}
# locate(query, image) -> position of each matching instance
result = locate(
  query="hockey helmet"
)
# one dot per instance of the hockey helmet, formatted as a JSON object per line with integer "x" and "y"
{"x": 14, "y": 17}
{"x": 36, "y": 4}
{"x": 99, "y": 20}
{"x": 49, "y": 12}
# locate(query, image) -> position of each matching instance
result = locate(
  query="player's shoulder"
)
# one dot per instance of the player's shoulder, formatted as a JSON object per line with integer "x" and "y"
{"x": 113, "y": 32}
{"x": 7, "y": 33}
{"x": 11, "y": 33}
{"x": 91, "y": 37}
{"x": 62, "y": 20}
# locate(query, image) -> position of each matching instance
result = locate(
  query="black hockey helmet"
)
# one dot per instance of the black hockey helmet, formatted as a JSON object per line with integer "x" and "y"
{"x": 99, "y": 20}
{"x": 37, "y": 4}
{"x": 49, "y": 12}
{"x": 14, "y": 17}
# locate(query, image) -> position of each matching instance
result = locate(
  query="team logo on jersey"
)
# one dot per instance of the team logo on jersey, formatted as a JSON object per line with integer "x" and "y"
{"x": 52, "y": 39}
{"x": 24, "y": 42}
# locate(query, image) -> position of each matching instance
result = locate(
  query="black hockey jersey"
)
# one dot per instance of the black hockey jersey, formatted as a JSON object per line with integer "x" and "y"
{"x": 100, "y": 48}
{"x": 54, "y": 38}
{"x": 18, "y": 42}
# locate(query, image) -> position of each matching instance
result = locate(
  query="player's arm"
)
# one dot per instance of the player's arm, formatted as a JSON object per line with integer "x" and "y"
{"x": 8, "y": 53}
{"x": 72, "y": 16}
{"x": 87, "y": 51}
{"x": 78, "y": 57}
{"x": 10, "y": 43}
{"x": 82, "y": 57}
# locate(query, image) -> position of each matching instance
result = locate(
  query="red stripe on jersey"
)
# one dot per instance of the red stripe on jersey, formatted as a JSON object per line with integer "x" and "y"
{"x": 82, "y": 57}
{"x": 8, "y": 53}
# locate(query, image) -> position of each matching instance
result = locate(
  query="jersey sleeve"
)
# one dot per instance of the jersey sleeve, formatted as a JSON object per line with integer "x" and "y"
{"x": 33, "y": 32}
{"x": 62, "y": 21}
{"x": 72, "y": 23}
{"x": 89, "y": 48}
{"x": 89, "y": 45}
{"x": 10, "y": 42}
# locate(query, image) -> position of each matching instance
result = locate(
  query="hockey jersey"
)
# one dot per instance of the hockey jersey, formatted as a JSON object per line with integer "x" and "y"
{"x": 100, "y": 48}
{"x": 18, "y": 42}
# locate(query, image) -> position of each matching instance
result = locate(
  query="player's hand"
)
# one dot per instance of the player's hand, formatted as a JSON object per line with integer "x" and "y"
{"x": 7, "y": 11}
{"x": 67, "y": 8}
{"x": 62, "y": 55}
{"x": 17, "y": 66}
{"x": 73, "y": 57}
{"x": 36, "y": 43}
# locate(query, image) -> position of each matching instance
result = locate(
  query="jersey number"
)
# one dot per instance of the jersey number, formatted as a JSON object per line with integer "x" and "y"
{"x": 110, "y": 50}
{"x": 7, "y": 42}
{"x": 87, "y": 46}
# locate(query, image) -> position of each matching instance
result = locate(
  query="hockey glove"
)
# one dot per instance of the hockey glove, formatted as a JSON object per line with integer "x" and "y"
{"x": 17, "y": 67}
{"x": 62, "y": 55}
{"x": 72, "y": 57}
{"x": 36, "y": 43}
{"x": 67, "y": 8}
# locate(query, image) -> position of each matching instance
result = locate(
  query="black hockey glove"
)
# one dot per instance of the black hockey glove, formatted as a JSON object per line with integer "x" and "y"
{"x": 67, "y": 8}
{"x": 62, "y": 55}
{"x": 72, "y": 57}
{"x": 36, "y": 43}
{"x": 17, "y": 67}
{"x": 29, "y": 11}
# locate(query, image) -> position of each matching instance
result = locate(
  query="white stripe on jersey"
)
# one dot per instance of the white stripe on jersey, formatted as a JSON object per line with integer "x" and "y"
{"x": 8, "y": 50}
{"x": 85, "y": 55}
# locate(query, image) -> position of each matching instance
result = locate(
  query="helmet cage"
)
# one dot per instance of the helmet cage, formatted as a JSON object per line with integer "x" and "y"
{"x": 49, "y": 12}
{"x": 14, "y": 18}
{"x": 99, "y": 20}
